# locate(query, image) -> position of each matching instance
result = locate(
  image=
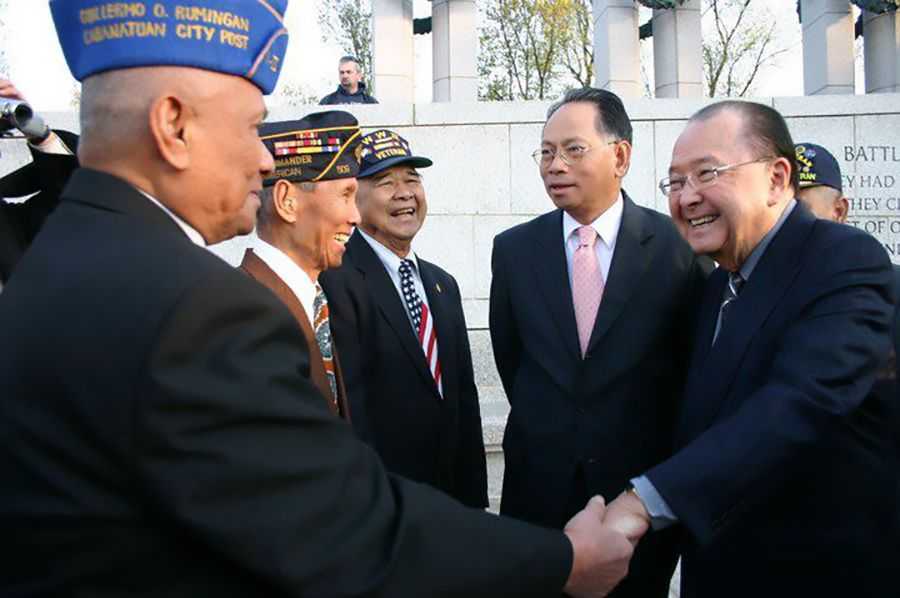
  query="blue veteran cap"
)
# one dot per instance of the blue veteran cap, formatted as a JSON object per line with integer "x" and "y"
{"x": 816, "y": 166}
{"x": 318, "y": 147}
{"x": 382, "y": 149}
{"x": 246, "y": 38}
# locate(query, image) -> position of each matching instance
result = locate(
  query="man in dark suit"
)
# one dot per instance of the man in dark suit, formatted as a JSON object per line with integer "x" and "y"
{"x": 784, "y": 482}
{"x": 53, "y": 160}
{"x": 404, "y": 345}
{"x": 593, "y": 385}
{"x": 307, "y": 214}
{"x": 160, "y": 436}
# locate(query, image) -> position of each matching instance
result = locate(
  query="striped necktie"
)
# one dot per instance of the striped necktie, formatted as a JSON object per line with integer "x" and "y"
{"x": 422, "y": 321}
{"x": 732, "y": 290}
{"x": 322, "y": 330}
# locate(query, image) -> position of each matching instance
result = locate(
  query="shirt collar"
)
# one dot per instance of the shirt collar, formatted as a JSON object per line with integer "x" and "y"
{"x": 749, "y": 264}
{"x": 606, "y": 225}
{"x": 390, "y": 259}
{"x": 190, "y": 231}
{"x": 288, "y": 271}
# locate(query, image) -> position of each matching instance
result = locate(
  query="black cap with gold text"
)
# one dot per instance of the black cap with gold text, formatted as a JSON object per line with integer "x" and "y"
{"x": 318, "y": 147}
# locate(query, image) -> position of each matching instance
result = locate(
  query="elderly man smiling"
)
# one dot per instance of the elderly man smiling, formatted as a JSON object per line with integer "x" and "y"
{"x": 307, "y": 214}
{"x": 784, "y": 481}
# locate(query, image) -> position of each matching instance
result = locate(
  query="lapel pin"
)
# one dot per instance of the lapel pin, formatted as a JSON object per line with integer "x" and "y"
{"x": 437, "y": 285}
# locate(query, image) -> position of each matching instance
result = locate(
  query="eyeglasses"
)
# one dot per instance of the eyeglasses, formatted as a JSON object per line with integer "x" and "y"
{"x": 571, "y": 155}
{"x": 700, "y": 179}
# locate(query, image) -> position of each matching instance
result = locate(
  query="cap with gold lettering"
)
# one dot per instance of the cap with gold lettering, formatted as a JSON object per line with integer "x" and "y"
{"x": 246, "y": 38}
{"x": 382, "y": 149}
{"x": 817, "y": 166}
{"x": 318, "y": 147}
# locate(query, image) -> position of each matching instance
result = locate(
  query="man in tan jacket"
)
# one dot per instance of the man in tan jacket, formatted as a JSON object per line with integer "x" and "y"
{"x": 307, "y": 213}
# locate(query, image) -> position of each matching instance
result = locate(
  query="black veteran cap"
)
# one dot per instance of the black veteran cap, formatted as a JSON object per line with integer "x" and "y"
{"x": 318, "y": 147}
{"x": 382, "y": 149}
{"x": 246, "y": 38}
{"x": 816, "y": 166}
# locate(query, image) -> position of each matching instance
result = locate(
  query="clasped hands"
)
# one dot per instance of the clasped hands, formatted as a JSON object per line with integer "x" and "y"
{"x": 603, "y": 539}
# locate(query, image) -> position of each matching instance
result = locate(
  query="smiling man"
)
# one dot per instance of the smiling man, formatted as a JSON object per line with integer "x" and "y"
{"x": 308, "y": 212}
{"x": 590, "y": 319}
{"x": 784, "y": 482}
{"x": 399, "y": 322}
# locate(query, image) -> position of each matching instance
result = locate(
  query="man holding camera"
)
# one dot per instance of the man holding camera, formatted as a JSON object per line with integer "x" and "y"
{"x": 53, "y": 160}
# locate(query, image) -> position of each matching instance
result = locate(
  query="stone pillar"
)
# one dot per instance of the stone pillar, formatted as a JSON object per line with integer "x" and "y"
{"x": 454, "y": 47}
{"x": 617, "y": 51}
{"x": 828, "y": 51}
{"x": 392, "y": 50}
{"x": 678, "y": 51}
{"x": 882, "y": 48}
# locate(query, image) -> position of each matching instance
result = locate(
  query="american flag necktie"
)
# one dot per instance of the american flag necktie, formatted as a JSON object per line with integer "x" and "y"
{"x": 422, "y": 321}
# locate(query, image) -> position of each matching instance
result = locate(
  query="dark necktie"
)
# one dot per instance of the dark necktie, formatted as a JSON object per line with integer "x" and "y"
{"x": 422, "y": 321}
{"x": 732, "y": 290}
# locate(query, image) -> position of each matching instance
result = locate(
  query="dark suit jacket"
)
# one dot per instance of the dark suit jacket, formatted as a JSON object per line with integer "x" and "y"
{"x": 393, "y": 396}
{"x": 20, "y": 222}
{"x": 786, "y": 480}
{"x": 261, "y": 272}
{"x": 161, "y": 437}
{"x": 579, "y": 427}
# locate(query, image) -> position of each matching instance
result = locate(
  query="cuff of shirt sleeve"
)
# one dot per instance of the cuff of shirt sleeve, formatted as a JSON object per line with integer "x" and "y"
{"x": 661, "y": 516}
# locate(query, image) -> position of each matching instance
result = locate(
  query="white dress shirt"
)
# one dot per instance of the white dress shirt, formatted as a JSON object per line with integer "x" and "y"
{"x": 292, "y": 275}
{"x": 607, "y": 227}
{"x": 190, "y": 231}
{"x": 392, "y": 264}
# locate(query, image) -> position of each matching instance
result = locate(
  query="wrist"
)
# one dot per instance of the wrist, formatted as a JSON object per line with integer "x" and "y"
{"x": 640, "y": 508}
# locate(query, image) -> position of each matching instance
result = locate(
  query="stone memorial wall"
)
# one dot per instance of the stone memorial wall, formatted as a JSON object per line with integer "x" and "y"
{"x": 485, "y": 181}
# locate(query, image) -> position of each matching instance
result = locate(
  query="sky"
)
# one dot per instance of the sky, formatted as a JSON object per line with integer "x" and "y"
{"x": 38, "y": 69}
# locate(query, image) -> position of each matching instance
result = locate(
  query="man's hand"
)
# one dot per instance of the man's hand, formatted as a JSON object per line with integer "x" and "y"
{"x": 601, "y": 553}
{"x": 628, "y": 515}
{"x": 8, "y": 90}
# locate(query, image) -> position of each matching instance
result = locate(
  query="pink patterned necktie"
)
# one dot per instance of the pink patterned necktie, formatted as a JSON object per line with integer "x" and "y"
{"x": 587, "y": 284}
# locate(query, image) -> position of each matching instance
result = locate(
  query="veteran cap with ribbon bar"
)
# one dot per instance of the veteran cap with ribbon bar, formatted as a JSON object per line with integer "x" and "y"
{"x": 246, "y": 38}
{"x": 318, "y": 147}
{"x": 382, "y": 149}
{"x": 817, "y": 166}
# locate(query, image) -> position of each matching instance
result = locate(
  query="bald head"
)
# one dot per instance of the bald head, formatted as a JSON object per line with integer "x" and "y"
{"x": 186, "y": 136}
{"x": 116, "y": 105}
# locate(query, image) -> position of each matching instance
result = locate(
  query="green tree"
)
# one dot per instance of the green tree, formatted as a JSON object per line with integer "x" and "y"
{"x": 522, "y": 44}
{"x": 739, "y": 38}
{"x": 348, "y": 23}
{"x": 578, "y": 52}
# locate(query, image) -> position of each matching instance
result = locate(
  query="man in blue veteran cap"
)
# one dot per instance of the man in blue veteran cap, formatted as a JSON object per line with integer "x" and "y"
{"x": 161, "y": 435}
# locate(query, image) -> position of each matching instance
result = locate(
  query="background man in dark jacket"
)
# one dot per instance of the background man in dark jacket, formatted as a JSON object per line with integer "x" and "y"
{"x": 352, "y": 89}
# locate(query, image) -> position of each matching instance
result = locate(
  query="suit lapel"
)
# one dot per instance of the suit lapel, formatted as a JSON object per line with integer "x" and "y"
{"x": 552, "y": 273}
{"x": 759, "y": 296}
{"x": 387, "y": 299}
{"x": 440, "y": 312}
{"x": 253, "y": 265}
{"x": 629, "y": 263}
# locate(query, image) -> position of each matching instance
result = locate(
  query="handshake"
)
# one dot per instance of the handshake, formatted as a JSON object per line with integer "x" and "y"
{"x": 603, "y": 539}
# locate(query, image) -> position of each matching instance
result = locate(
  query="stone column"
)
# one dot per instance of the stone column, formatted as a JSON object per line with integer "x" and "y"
{"x": 678, "y": 51}
{"x": 882, "y": 48}
{"x": 617, "y": 51}
{"x": 392, "y": 50}
{"x": 454, "y": 46}
{"x": 828, "y": 52}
